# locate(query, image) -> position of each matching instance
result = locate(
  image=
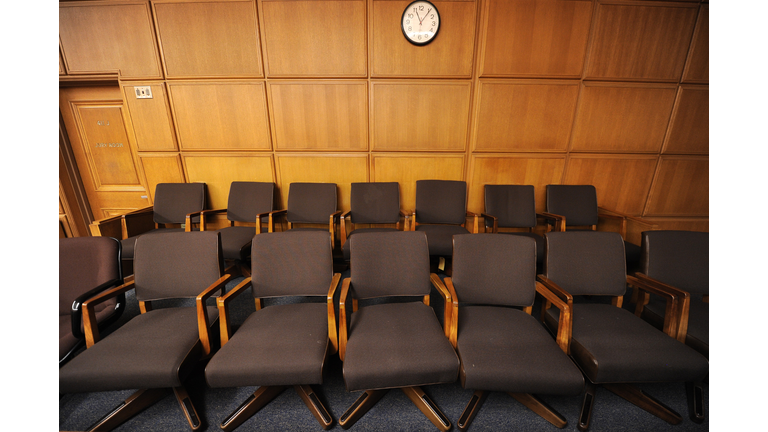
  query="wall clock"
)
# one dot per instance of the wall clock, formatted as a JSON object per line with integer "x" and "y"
{"x": 420, "y": 22}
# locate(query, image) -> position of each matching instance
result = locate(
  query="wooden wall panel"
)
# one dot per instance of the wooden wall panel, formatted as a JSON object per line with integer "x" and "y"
{"x": 524, "y": 169}
{"x": 681, "y": 187}
{"x": 406, "y": 169}
{"x": 161, "y": 168}
{"x": 524, "y": 115}
{"x": 535, "y": 38}
{"x": 320, "y": 115}
{"x": 697, "y": 64}
{"x": 622, "y": 181}
{"x": 220, "y": 115}
{"x": 448, "y": 55}
{"x": 689, "y": 126}
{"x": 151, "y": 118}
{"x": 315, "y": 38}
{"x": 209, "y": 39}
{"x": 640, "y": 41}
{"x": 332, "y": 168}
{"x": 220, "y": 170}
{"x": 420, "y": 115}
{"x": 98, "y": 37}
{"x": 622, "y": 117}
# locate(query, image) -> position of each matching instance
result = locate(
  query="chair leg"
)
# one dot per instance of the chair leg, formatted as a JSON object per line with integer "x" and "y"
{"x": 361, "y": 406}
{"x": 475, "y": 402}
{"x": 426, "y": 406}
{"x": 135, "y": 403}
{"x": 646, "y": 402}
{"x": 315, "y": 406}
{"x": 539, "y": 407}
{"x": 253, "y": 404}
{"x": 695, "y": 401}
{"x": 186, "y": 406}
{"x": 585, "y": 416}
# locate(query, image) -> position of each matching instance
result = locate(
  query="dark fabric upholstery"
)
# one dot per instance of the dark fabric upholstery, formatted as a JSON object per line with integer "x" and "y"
{"x": 397, "y": 345}
{"x": 586, "y": 262}
{"x": 277, "y": 345}
{"x": 440, "y": 237}
{"x": 173, "y": 201}
{"x": 441, "y": 201}
{"x": 611, "y": 344}
{"x": 345, "y": 248}
{"x": 129, "y": 244}
{"x": 176, "y": 265}
{"x": 389, "y": 264}
{"x": 505, "y": 349}
{"x": 677, "y": 258}
{"x": 311, "y": 202}
{"x": 146, "y": 352}
{"x": 578, "y": 203}
{"x": 236, "y": 242}
{"x": 296, "y": 263}
{"x": 67, "y": 340}
{"x": 494, "y": 269}
{"x": 513, "y": 205}
{"x": 698, "y": 321}
{"x": 84, "y": 264}
{"x": 375, "y": 202}
{"x": 247, "y": 199}
{"x": 539, "y": 245}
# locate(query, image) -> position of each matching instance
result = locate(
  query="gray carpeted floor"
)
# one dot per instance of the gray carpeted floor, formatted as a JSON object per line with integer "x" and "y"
{"x": 394, "y": 412}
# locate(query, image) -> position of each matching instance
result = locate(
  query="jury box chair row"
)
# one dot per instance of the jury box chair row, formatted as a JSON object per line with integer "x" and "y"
{"x": 487, "y": 324}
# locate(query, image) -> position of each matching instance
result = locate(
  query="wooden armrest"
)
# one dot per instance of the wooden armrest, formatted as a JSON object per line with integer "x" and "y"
{"x": 332, "y": 335}
{"x": 205, "y": 213}
{"x": 453, "y": 331}
{"x": 89, "y": 313}
{"x": 343, "y": 234}
{"x": 413, "y": 221}
{"x": 475, "y": 226}
{"x": 343, "y": 318}
{"x": 332, "y": 224}
{"x": 555, "y": 288}
{"x": 272, "y": 216}
{"x": 678, "y": 303}
{"x": 448, "y": 303}
{"x": 222, "y": 303}
{"x": 553, "y": 219}
{"x": 76, "y": 312}
{"x": 108, "y": 227}
{"x": 258, "y": 221}
{"x": 188, "y": 220}
{"x": 203, "y": 323}
{"x": 494, "y": 219}
{"x": 565, "y": 322}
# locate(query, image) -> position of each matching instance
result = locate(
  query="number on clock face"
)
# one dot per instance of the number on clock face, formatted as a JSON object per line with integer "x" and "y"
{"x": 420, "y": 22}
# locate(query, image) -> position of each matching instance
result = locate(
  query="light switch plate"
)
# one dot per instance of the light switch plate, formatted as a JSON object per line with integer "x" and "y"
{"x": 144, "y": 92}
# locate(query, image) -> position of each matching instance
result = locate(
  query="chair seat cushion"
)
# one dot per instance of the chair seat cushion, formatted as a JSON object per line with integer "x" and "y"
{"x": 698, "y": 320}
{"x": 345, "y": 248}
{"x": 236, "y": 242}
{"x": 539, "y": 244}
{"x": 505, "y": 349}
{"x": 277, "y": 345}
{"x": 146, "y": 352}
{"x": 67, "y": 340}
{"x": 130, "y": 243}
{"x": 440, "y": 237}
{"x": 612, "y": 345}
{"x": 395, "y": 345}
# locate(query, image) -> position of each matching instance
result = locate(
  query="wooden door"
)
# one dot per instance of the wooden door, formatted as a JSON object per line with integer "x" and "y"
{"x": 103, "y": 143}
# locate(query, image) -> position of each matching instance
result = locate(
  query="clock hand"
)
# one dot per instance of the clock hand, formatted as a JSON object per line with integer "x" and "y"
{"x": 417, "y": 15}
{"x": 425, "y": 15}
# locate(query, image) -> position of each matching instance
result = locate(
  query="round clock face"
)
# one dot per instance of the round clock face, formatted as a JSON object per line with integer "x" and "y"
{"x": 420, "y": 22}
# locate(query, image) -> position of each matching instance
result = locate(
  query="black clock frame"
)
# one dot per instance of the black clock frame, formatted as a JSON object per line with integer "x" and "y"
{"x": 428, "y": 41}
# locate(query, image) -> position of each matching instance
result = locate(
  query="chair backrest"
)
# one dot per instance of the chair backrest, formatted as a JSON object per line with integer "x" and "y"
{"x": 677, "y": 258}
{"x": 578, "y": 203}
{"x": 247, "y": 199}
{"x": 375, "y": 202}
{"x": 441, "y": 201}
{"x": 586, "y": 262}
{"x": 176, "y": 264}
{"x": 389, "y": 264}
{"x": 174, "y": 201}
{"x": 291, "y": 263}
{"x": 84, "y": 264}
{"x": 311, "y": 202}
{"x": 494, "y": 269}
{"x": 513, "y": 205}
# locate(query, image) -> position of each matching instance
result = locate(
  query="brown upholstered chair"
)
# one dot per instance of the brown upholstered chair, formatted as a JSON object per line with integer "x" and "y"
{"x": 87, "y": 266}
{"x": 514, "y": 206}
{"x": 441, "y": 213}
{"x": 372, "y": 203}
{"x": 577, "y": 206}
{"x": 156, "y": 350}
{"x": 248, "y": 203}
{"x": 679, "y": 259}
{"x": 393, "y": 344}
{"x": 501, "y": 347}
{"x": 309, "y": 203}
{"x": 612, "y": 346}
{"x": 283, "y": 344}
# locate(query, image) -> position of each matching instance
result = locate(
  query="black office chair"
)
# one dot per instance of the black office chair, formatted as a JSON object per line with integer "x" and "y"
{"x": 309, "y": 203}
